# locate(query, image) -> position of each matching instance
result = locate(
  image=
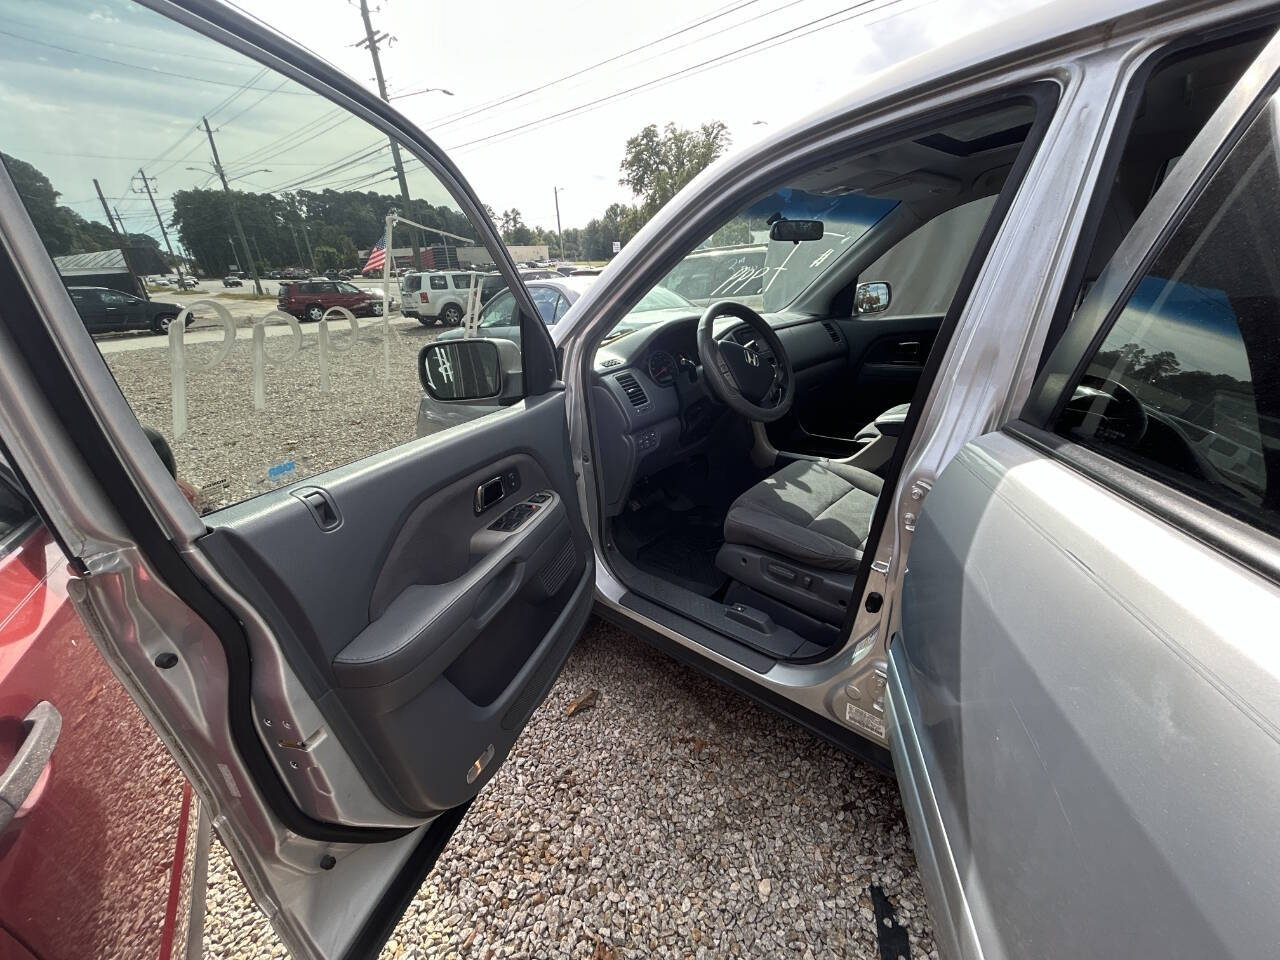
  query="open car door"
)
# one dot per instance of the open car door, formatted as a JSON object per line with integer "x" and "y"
{"x": 343, "y": 642}
{"x": 1084, "y": 691}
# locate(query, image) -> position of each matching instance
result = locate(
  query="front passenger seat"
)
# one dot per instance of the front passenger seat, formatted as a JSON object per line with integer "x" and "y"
{"x": 797, "y": 536}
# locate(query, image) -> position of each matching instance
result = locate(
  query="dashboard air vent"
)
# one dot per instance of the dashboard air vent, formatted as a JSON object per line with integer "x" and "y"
{"x": 635, "y": 392}
{"x": 832, "y": 332}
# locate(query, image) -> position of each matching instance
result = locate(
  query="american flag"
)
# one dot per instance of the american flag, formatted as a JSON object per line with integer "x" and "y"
{"x": 377, "y": 256}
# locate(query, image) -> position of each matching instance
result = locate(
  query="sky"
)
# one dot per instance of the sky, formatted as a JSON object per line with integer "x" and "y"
{"x": 100, "y": 88}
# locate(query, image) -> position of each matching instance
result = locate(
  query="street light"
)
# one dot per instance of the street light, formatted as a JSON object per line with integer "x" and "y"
{"x": 415, "y": 93}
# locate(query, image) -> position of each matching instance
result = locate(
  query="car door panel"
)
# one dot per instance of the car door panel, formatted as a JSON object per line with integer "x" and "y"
{"x": 437, "y": 622}
{"x": 340, "y": 663}
{"x": 1089, "y": 720}
{"x": 886, "y": 361}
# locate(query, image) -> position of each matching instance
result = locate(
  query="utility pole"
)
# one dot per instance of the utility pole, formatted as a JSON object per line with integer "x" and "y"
{"x": 120, "y": 241}
{"x": 235, "y": 214}
{"x": 311, "y": 257}
{"x": 293, "y": 232}
{"x": 146, "y": 184}
{"x": 371, "y": 40}
{"x": 257, "y": 250}
{"x": 559, "y": 232}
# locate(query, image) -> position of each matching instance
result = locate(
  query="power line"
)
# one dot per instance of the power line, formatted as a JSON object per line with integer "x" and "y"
{"x": 500, "y": 101}
{"x": 237, "y": 116}
{"x": 131, "y": 46}
{"x": 750, "y": 49}
{"x": 134, "y": 66}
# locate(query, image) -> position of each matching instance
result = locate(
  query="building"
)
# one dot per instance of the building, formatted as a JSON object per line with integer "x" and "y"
{"x": 107, "y": 268}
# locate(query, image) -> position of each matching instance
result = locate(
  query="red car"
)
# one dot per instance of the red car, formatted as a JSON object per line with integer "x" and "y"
{"x": 309, "y": 299}
{"x": 100, "y": 853}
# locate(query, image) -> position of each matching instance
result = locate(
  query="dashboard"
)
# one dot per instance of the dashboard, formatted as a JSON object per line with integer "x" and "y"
{"x": 651, "y": 404}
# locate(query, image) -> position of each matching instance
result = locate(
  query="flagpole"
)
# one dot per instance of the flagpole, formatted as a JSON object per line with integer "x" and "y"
{"x": 386, "y": 297}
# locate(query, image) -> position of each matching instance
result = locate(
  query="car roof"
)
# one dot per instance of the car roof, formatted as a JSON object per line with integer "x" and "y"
{"x": 571, "y": 287}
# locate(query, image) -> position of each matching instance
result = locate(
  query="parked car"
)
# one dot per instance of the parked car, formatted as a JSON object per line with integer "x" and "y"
{"x": 231, "y": 280}
{"x": 189, "y": 283}
{"x": 440, "y": 296}
{"x": 986, "y": 491}
{"x": 499, "y": 320}
{"x": 103, "y": 815}
{"x": 309, "y": 299}
{"x": 104, "y": 310}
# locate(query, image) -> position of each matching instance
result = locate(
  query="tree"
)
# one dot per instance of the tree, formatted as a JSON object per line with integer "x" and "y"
{"x": 326, "y": 257}
{"x": 61, "y": 228}
{"x": 657, "y": 164}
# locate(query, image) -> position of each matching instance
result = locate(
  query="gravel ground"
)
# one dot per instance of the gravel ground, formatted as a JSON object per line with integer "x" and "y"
{"x": 675, "y": 818}
{"x": 232, "y": 451}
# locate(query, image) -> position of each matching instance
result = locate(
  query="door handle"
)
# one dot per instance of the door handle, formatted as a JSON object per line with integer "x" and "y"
{"x": 43, "y": 724}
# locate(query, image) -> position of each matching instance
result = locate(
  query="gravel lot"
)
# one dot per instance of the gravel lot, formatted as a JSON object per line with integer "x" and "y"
{"x": 233, "y": 451}
{"x": 674, "y": 818}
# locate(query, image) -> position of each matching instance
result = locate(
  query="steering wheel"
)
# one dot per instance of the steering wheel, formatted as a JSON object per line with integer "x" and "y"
{"x": 740, "y": 377}
{"x": 1106, "y": 410}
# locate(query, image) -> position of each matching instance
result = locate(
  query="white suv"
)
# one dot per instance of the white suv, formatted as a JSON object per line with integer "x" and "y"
{"x": 441, "y": 295}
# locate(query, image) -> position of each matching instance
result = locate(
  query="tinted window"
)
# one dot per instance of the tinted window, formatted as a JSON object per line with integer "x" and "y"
{"x": 544, "y": 298}
{"x": 114, "y": 299}
{"x": 461, "y": 281}
{"x": 412, "y": 283}
{"x": 439, "y": 283}
{"x": 1186, "y": 384}
{"x": 14, "y": 512}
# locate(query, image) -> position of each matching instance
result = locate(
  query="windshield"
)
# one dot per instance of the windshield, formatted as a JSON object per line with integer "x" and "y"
{"x": 660, "y": 298}
{"x": 739, "y": 261}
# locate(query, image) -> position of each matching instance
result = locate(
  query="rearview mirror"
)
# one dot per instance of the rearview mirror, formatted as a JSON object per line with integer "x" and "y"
{"x": 872, "y": 297}
{"x": 795, "y": 230}
{"x": 461, "y": 370}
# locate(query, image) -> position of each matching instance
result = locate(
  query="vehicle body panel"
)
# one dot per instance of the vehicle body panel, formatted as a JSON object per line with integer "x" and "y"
{"x": 101, "y": 859}
{"x": 1092, "y": 690}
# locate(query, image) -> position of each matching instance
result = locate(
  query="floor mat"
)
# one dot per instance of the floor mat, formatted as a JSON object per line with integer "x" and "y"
{"x": 685, "y": 555}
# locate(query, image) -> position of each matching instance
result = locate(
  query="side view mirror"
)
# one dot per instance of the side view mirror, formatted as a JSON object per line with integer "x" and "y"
{"x": 795, "y": 230}
{"x": 872, "y": 297}
{"x": 460, "y": 370}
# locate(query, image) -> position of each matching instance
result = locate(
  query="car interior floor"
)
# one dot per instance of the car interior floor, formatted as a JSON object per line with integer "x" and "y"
{"x": 673, "y": 523}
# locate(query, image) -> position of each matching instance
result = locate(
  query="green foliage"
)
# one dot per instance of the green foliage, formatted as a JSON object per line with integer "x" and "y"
{"x": 326, "y": 258}
{"x": 656, "y": 165}
{"x": 61, "y": 228}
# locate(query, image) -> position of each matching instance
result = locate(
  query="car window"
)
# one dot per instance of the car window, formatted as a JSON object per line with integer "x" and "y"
{"x": 1185, "y": 386}
{"x": 113, "y": 298}
{"x": 562, "y": 307}
{"x": 461, "y": 281}
{"x": 242, "y": 414}
{"x": 501, "y": 311}
{"x": 924, "y": 268}
{"x": 412, "y": 283}
{"x": 439, "y": 283}
{"x": 15, "y": 514}
{"x": 544, "y": 298}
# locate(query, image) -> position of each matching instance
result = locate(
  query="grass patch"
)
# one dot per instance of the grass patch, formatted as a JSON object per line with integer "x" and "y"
{"x": 246, "y": 296}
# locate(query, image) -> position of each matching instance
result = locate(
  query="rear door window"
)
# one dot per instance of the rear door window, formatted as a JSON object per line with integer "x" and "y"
{"x": 1185, "y": 386}
{"x": 439, "y": 283}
